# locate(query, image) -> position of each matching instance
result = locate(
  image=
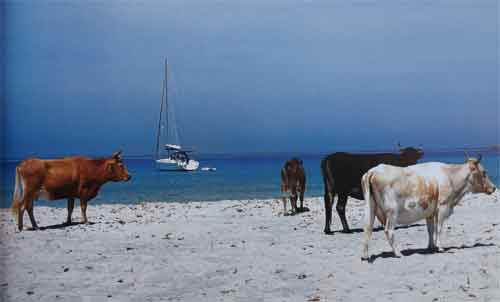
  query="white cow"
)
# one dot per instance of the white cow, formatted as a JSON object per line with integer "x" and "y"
{"x": 428, "y": 190}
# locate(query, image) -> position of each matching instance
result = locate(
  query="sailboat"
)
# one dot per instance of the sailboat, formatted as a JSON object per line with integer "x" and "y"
{"x": 170, "y": 155}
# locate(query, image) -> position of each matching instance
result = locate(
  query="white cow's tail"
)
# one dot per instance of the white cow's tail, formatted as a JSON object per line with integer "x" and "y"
{"x": 18, "y": 195}
{"x": 370, "y": 210}
{"x": 371, "y": 205}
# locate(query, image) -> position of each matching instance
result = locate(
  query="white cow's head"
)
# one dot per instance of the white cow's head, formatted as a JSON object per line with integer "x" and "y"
{"x": 479, "y": 180}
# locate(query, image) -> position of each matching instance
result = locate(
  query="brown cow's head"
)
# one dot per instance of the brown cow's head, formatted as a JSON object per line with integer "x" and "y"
{"x": 410, "y": 155}
{"x": 116, "y": 169}
{"x": 479, "y": 180}
{"x": 293, "y": 166}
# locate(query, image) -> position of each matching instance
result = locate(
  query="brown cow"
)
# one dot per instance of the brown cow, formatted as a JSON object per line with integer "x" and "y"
{"x": 70, "y": 177}
{"x": 293, "y": 179}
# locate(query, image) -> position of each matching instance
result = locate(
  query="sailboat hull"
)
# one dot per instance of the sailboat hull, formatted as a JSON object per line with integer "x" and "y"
{"x": 169, "y": 164}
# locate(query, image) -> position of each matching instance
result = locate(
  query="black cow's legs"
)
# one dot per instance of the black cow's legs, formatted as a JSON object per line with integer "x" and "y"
{"x": 328, "y": 211}
{"x": 341, "y": 204}
{"x": 71, "y": 205}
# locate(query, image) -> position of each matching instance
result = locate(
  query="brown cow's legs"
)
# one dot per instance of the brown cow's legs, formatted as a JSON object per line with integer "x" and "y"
{"x": 328, "y": 212}
{"x": 341, "y": 204}
{"x": 29, "y": 208}
{"x": 293, "y": 201}
{"x": 71, "y": 205}
{"x": 20, "y": 215}
{"x": 283, "y": 198}
{"x": 83, "y": 206}
{"x": 27, "y": 204}
{"x": 302, "y": 199}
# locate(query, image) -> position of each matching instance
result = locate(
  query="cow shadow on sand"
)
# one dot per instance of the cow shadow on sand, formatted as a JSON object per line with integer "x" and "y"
{"x": 62, "y": 225}
{"x": 377, "y": 229}
{"x": 425, "y": 251}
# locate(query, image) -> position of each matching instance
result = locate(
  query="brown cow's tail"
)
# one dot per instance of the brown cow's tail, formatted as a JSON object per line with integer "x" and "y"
{"x": 18, "y": 195}
{"x": 284, "y": 180}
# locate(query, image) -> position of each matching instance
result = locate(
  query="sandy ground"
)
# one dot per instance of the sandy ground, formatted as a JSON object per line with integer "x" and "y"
{"x": 244, "y": 251}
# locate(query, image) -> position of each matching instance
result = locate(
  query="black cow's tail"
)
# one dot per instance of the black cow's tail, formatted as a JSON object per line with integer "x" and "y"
{"x": 327, "y": 177}
{"x": 326, "y": 171}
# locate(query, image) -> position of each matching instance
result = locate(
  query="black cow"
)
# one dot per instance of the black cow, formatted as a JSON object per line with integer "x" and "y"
{"x": 342, "y": 174}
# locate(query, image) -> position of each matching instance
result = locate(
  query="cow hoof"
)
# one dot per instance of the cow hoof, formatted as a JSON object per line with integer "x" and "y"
{"x": 432, "y": 249}
{"x": 398, "y": 254}
{"x": 328, "y": 232}
{"x": 32, "y": 229}
{"x": 303, "y": 209}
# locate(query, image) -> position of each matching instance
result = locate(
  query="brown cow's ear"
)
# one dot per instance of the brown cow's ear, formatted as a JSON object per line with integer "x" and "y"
{"x": 117, "y": 155}
{"x": 109, "y": 167}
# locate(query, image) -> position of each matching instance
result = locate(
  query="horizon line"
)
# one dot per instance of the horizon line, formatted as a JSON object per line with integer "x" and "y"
{"x": 489, "y": 148}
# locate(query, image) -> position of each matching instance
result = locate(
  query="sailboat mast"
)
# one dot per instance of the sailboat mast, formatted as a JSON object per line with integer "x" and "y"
{"x": 158, "y": 133}
{"x": 166, "y": 97}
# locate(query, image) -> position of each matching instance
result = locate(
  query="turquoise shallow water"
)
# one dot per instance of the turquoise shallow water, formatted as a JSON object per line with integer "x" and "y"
{"x": 237, "y": 177}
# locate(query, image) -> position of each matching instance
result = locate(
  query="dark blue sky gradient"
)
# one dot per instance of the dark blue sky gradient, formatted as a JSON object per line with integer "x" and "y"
{"x": 250, "y": 75}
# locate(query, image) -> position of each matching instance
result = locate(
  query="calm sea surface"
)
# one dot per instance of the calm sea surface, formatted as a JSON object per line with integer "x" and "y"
{"x": 246, "y": 177}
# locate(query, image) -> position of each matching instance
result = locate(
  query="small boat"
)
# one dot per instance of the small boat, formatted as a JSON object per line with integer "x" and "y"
{"x": 212, "y": 169}
{"x": 170, "y": 156}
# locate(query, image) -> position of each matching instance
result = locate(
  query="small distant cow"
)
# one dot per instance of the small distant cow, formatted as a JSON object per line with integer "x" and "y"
{"x": 429, "y": 190}
{"x": 293, "y": 181}
{"x": 70, "y": 177}
{"x": 342, "y": 174}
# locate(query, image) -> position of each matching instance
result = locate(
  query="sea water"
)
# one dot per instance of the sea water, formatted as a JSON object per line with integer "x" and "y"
{"x": 237, "y": 177}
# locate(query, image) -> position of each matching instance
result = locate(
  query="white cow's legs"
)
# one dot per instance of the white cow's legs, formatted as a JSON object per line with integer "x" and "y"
{"x": 430, "y": 230}
{"x": 369, "y": 219}
{"x": 390, "y": 224}
{"x": 439, "y": 231}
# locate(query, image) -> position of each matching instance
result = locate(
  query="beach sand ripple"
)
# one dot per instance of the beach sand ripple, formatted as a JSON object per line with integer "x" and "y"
{"x": 244, "y": 251}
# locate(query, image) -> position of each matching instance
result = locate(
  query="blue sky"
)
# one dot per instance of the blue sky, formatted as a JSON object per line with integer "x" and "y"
{"x": 250, "y": 75}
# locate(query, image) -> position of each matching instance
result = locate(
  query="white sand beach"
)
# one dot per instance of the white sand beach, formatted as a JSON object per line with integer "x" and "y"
{"x": 245, "y": 251}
